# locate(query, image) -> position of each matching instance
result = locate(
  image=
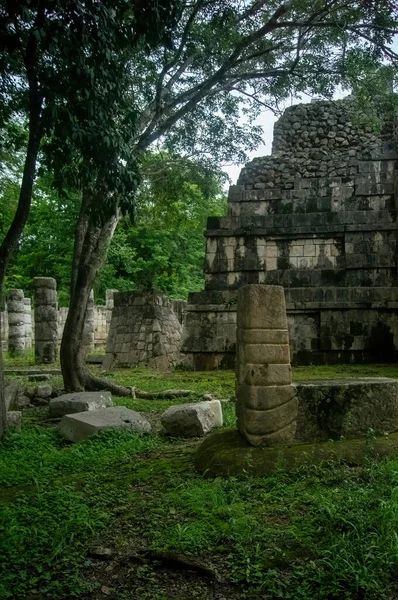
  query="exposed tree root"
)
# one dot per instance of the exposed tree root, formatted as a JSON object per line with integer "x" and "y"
{"x": 93, "y": 383}
{"x": 176, "y": 561}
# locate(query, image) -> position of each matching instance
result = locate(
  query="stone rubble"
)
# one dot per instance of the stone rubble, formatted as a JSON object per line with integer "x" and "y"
{"x": 78, "y": 402}
{"x": 81, "y": 426}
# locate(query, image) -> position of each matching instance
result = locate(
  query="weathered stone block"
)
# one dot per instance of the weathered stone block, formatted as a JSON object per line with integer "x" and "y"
{"x": 79, "y": 402}
{"x": 11, "y": 392}
{"x": 262, "y": 336}
{"x": 264, "y": 307}
{"x": 265, "y": 397}
{"x": 258, "y": 375}
{"x": 261, "y": 354}
{"x": 44, "y": 391}
{"x": 81, "y": 426}
{"x": 261, "y": 423}
{"x": 189, "y": 420}
{"x": 348, "y": 408}
{"x": 14, "y": 420}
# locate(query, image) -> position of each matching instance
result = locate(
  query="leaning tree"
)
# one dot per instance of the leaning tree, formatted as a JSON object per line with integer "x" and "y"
{"x": 224, "y": 59}
{"x": 59, "y": 57}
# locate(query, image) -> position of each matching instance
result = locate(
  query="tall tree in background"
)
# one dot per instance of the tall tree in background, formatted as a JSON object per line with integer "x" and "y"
{"x": 164, "y": 246}
{"x": 218, "y": 60}
{"x": 226, "y": 59}
{"x": 59, "y": 57}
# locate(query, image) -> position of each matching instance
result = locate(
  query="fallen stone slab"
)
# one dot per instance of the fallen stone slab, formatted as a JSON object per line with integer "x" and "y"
{"x": 215, "y": 406}
{"x": 95, "y": 359}
{"x": 44, "y": 391}
{"x": 349, "y": 408}
{"x": 79, "y": 402}
{"x": 81, "y": 426}
{"x": 14, "y": 420}
{"x": 189, "y": 420}
{"x": 39, "y": 377}
{"x": 27, "y": 372}
{"x": 22, "y": 402}
{"x": 11, "y": 393}
{"x": 227, "y": 453}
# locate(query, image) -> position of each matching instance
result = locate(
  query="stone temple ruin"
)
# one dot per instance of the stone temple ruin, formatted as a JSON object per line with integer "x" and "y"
{"x": 317, "y": 217}
{"x": 280, "y": 424}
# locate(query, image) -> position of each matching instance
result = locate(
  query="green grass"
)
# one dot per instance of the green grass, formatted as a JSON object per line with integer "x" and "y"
{"x": 328, "y": 532}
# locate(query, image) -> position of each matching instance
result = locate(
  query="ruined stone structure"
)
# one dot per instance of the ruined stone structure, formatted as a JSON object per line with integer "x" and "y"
{"x": 89, "y": 324}
{"x": 318, "y": 217}
{"x": 28, "y": 323}
{"x": 16, "y": 322}
{"x": 266, "y": 404}
{"x": 46, "y": 319}
{"x": 144, "y": 331}
{"x": 97, "y": 328}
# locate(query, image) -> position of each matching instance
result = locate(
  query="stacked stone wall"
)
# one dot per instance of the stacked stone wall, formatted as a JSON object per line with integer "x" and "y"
{"x": 322, "y": 129}
{"x": 101, "y": 326}
{"x": 16, "y": 322}
{"x": 322, "y": 224}
{"x": 144, "y": 331}
{"x": 96, "y": 331}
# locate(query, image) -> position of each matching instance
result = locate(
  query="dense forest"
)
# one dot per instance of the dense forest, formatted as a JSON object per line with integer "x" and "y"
{"x": 160, "y": 245}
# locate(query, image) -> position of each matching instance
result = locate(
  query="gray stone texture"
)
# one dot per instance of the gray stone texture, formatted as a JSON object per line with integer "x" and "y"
{"x": 11, "y": 393}
{"x": 16, "y": 322}
{"x": 79, "y": 402}
{"x": 189, "y": 420}
{"x": 28, "y": 323}
{"x": 46, "y": 319}
{"x": 89, "y": 324}
{"x": 14, "y": 420}
{"x": 266, "y": 399}
{"x": 317, "y": 217}
{"x": 346, "y": 408}
{"x": 144, "y": 331}
{"x": 81, "y": 426}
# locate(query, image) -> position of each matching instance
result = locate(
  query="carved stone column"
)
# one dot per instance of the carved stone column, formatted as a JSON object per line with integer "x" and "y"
{"x": 89, "y": 324}
{"x": 28, "y": 323}
{"x": 16, "y": 322}
{"x": 46, "y": 319}
{"x": 266, "y": 398}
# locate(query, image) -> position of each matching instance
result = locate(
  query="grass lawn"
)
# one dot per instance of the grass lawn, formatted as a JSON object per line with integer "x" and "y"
{"x": 120, "y": 515}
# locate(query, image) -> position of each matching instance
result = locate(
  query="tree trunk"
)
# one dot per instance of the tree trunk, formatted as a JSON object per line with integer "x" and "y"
{"x": 93, "y": 234}
{"x": 13, "y": 235}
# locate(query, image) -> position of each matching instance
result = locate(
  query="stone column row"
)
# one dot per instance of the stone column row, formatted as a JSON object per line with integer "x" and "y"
{"x": 16, "y": 322}
{"x": 46, "y": 319}
{"x": 266, "y": 398}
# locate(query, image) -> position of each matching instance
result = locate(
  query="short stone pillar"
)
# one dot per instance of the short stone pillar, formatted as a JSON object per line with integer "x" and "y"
{"x": 46, "y": 319}
{"x": 266, "y": 399}
{"x": 144, "y": 332}
{"x": 109, "y": 302}
{"x": 89, "y": 324}
{"x": 4, "y": 329}
{"x": 16, "y": 322}
{"x": 28, "y": 323}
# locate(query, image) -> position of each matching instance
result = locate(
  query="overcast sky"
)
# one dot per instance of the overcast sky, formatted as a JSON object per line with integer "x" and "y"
{"x": 267, "y": 120}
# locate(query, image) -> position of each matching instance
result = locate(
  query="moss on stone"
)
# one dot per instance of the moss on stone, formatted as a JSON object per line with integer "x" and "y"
{"x": 227, "y": 453}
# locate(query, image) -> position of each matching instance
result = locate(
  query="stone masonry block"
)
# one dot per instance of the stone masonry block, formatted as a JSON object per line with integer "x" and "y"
{"x": 81, "y": 426}
{"x": 264, "y": 422}
{"x": 79, "y": 402}
{"x": 264, "y": 307}
{"x": 261, "y": 354}
{"x": 266, "y": 397}
{"x": 263, "y": 336}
